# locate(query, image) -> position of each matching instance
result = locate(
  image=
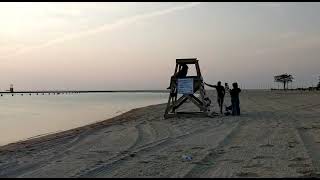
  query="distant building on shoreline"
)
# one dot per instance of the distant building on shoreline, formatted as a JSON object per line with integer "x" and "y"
{"x": 11, "y": 87}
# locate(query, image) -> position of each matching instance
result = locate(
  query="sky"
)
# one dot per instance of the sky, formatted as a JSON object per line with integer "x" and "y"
{"x": 133, "y": 45}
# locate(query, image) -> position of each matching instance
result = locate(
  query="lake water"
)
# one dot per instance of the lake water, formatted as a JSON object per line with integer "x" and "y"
{"x": 22, "y": 117}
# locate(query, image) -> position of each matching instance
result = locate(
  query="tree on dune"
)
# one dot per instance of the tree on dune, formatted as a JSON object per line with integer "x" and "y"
{"x": 283, "y": 78}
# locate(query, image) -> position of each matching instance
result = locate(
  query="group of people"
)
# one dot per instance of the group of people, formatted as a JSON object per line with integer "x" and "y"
{"x": 234, "y": 94}
{"x": 221, "y": 91}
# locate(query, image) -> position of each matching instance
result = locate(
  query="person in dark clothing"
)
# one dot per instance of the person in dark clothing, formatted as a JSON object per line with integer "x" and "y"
{"x": 235, "y": 102}
{"x": 221, "y": 92}
{"x": 180, "y": 74}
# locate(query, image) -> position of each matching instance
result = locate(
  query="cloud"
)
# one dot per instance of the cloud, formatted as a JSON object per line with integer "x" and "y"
{"x": 102, "y": 28}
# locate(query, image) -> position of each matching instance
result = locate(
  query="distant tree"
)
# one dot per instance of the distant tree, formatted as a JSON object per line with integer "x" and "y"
{"x": 283, "y": 78}
{"x": 318, "y": 86}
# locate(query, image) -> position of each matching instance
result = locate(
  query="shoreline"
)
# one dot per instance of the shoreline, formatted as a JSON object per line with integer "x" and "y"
{"x": 77, "y": 130}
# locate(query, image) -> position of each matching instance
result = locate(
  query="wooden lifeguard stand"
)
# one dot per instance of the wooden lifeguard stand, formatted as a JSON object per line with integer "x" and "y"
{"x": 197, "y": 85}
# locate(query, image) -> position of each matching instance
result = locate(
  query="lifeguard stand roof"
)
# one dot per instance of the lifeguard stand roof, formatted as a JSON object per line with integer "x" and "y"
{"x": 187, "y": 61}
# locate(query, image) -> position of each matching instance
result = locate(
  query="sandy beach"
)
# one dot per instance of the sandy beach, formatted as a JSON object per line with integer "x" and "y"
{"x": 277, "y": 135}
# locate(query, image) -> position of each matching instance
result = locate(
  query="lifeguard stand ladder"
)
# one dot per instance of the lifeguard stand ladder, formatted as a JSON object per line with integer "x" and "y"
{"x": 203, "y": 102}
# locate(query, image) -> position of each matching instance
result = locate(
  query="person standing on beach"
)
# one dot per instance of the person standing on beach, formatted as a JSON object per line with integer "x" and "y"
{"x": 221, "y": 92}
{"x": 235, "y": 102}
{"x": 226, "y": 87}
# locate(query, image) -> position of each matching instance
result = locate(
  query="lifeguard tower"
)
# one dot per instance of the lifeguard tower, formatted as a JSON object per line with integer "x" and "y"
{"x": 187, "y": 87}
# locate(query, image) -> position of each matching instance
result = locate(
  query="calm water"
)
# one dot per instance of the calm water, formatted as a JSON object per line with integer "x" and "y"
{"x": 22, "y": 117}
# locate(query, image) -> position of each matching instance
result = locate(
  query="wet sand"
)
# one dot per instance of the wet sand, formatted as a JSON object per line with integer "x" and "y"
{"x": 277, "y": 135}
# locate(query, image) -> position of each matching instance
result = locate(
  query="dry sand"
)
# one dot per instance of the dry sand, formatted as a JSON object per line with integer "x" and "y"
{"x": 277, "y": 135}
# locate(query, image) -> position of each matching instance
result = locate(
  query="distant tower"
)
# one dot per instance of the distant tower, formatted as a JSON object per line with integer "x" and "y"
{"x": 11, "y": 87}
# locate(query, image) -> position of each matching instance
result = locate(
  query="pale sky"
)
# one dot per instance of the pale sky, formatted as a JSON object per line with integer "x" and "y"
{"x": 112, "y": 46}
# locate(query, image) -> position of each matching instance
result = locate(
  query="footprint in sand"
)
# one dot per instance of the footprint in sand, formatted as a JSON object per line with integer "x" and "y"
{"x": 299, "y": 165}
{"x": 263, "y": 157}
{"x": 308, "y": 173}
{"x": 247, "y": 174}
{"x": 178, "y": 150}
{"x": 237, "y": 161}
{"x": 223, "y": 160}
{"x": 235, "y": 147}
{"x": 161, "y": 157}
{"x": 266, "y": 145}
{"x": 315, "y": 126}
{"x": 305, "y": 128}
{"x": 144, "y": 162}
{"x": 203, "y": 163}
{"x": 197, "y": 147}
{"x": 297, "y": 159}
{"x": 100, "y": 162}
{"x": 132, "y": 155}
{"x": 220, "y": 151}
{"x": 292, "y": 144}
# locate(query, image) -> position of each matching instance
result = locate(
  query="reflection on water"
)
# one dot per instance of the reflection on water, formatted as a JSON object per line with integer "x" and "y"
{"x": 22, "y": 117}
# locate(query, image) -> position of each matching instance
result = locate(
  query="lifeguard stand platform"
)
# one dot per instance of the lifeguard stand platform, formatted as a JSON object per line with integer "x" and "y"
{"x": 188, "y": 87}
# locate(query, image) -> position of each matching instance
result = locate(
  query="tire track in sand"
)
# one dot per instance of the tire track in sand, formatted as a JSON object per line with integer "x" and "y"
{"x": 214, "y": 165}
{"x": 107, "y": 168}
{"x": 30, "y": 167}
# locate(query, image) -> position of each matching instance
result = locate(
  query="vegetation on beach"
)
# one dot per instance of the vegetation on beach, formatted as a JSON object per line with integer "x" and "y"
{"x": 284, "y": 78}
